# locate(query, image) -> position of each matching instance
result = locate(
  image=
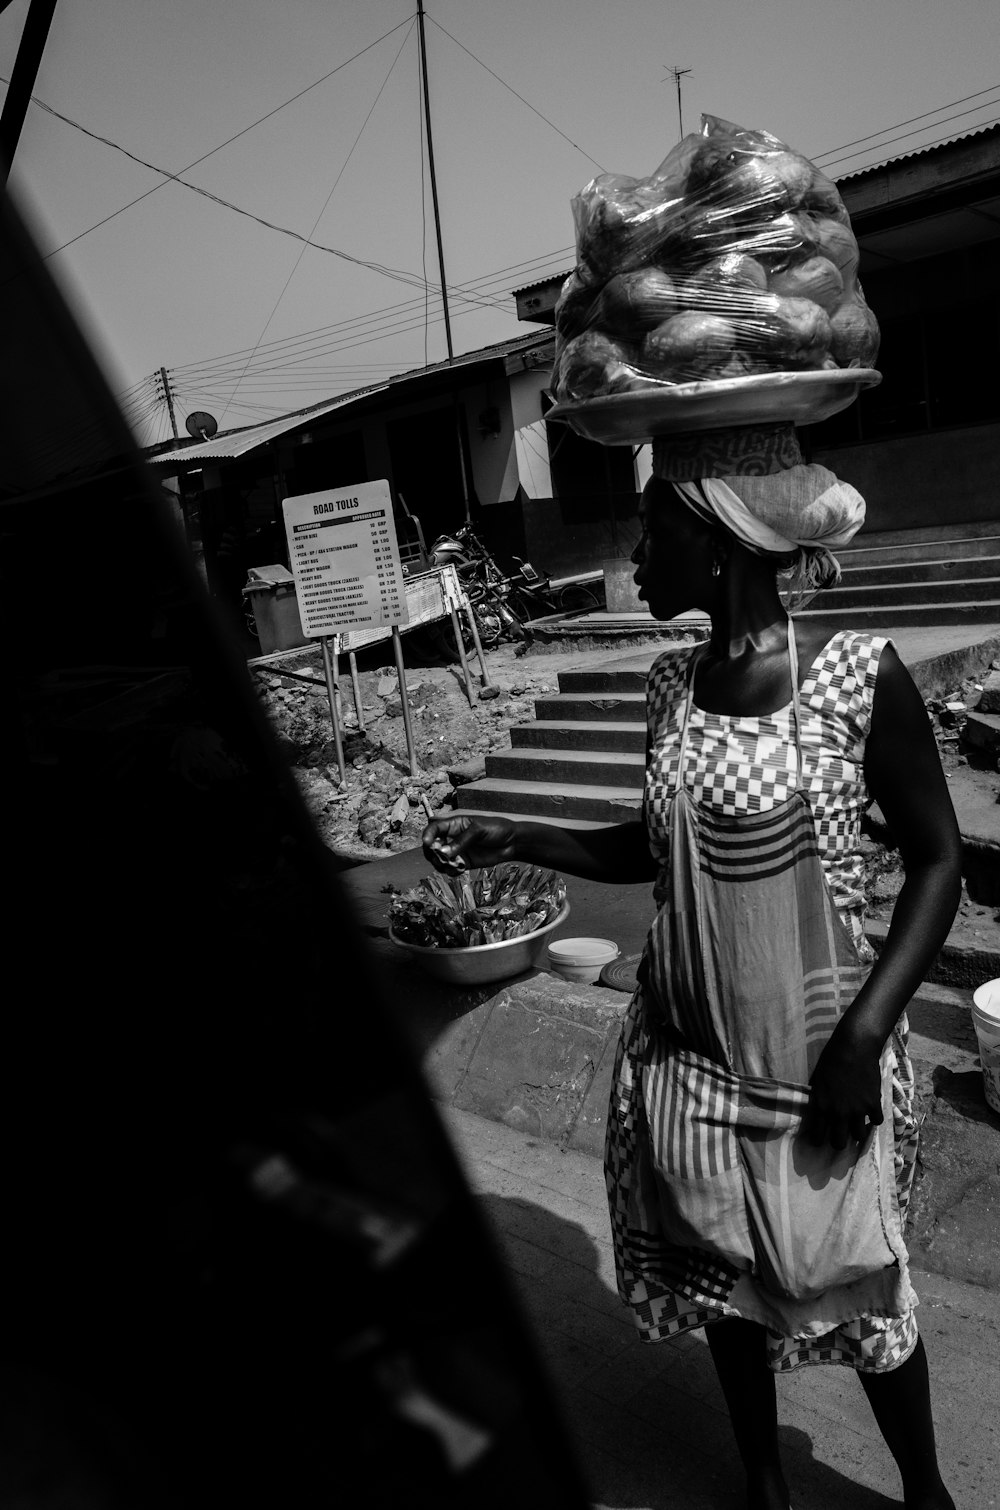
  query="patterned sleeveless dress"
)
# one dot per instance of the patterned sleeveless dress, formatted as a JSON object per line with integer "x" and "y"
{"x": 738, "y": 766}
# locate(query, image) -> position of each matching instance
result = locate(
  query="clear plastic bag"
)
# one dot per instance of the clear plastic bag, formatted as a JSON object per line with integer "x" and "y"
{"x": 735, "y": 257}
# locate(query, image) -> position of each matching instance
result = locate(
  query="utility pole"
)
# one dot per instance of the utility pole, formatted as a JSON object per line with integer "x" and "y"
{"x": 22, "y": 78}
{"x": 170, "y": 401}
{"x": 678, "y": 74}
{"x": 430, "y": 165}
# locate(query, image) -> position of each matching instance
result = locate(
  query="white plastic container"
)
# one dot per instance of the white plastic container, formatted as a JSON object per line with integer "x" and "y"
{"x": 986, "y": 1017}
{"x": 581, "y": 959}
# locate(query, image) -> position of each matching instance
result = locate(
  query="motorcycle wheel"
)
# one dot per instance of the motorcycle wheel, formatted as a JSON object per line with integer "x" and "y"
{"x": 577, "y": 599}
{"x": 488, "y": 625}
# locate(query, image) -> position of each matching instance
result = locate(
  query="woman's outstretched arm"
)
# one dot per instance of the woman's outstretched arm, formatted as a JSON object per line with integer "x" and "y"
{"x": 616, "y": 853}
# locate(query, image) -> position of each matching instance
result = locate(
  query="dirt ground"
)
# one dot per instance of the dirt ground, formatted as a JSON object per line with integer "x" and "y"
{"x": 380, "y": 807}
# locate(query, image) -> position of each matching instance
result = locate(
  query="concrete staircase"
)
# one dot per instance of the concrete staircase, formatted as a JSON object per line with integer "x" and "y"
{"x": 580, "y": 762}
{"x": 943, "y": 575}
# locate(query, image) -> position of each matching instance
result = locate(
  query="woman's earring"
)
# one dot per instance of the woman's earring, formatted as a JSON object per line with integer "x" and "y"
{"x": 716, "y": 567}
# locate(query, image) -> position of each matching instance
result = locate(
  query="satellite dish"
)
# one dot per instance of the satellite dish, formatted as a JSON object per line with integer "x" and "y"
{"x": 201, "y": 424}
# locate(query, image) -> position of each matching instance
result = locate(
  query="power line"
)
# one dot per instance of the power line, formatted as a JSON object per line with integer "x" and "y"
{"x": 520, "y": 97}
{"x": 322, "y": 212}
{"x": 413, "y": 280}
{"x": 904, "y": 135}
{"x": 963, "y": 100}
{"x": 229, "y": 140}
{"x": 377, "y": 267}
{"x": 287, "y": 345}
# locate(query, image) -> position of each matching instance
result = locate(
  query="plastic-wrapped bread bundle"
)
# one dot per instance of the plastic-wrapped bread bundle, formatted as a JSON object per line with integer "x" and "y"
{"x": 736, "y": 257}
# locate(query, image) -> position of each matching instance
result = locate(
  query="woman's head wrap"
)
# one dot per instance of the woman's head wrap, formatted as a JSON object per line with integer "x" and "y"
{"x": 805, "y": 512}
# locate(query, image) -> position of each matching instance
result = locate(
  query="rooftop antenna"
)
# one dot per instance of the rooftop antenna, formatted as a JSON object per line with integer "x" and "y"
{"x": 678, "y": 74}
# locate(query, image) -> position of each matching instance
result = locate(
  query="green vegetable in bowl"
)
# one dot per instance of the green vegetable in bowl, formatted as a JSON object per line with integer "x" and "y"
{"x": 484, "y": 906}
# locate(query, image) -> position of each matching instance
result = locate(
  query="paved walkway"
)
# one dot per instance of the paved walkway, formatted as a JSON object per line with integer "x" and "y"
{"x": 649, "y": 1421}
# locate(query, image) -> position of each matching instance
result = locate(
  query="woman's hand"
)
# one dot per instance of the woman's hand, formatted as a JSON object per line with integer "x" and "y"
{"x": 845, "y": 1094}
{"x": 456, "y": 844}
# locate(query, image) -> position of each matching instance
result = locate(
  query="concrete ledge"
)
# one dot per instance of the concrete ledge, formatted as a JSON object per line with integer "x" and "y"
{"x": 961, "y": 965}
{"x": 581, "y": 635}
{"x": 535, "y": 1053}
{"x": 942, "y": 672}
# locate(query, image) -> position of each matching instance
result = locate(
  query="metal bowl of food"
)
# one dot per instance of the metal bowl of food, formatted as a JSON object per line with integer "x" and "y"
{"x": 483, "y": 964}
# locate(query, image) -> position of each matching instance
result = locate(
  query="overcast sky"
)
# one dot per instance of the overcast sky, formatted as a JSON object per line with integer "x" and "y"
{"x": 250, "y": 322}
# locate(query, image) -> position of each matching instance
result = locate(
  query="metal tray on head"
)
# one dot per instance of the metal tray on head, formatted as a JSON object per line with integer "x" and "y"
{"x": 630, "y": 419}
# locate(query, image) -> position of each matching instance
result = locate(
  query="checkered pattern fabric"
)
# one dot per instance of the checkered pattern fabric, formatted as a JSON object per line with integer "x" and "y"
{"x": 741, "y": 766}
{"x": 747, "y": 765}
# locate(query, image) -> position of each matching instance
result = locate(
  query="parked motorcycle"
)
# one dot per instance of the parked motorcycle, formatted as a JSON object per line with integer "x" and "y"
{"x": 484, "y": 584}
{"x": 512, "y": 600}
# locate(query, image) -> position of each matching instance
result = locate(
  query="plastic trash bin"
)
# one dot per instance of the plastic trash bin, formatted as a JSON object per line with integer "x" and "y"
{"x": 270, "y": 593}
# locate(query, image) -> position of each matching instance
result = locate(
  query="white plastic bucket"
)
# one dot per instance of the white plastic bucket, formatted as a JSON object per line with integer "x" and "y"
{"x": 581, "y": 959}
{"x": 986, "y": 1017}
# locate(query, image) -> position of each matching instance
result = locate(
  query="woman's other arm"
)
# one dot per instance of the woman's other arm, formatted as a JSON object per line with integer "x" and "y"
{"x": 904, "y": 775}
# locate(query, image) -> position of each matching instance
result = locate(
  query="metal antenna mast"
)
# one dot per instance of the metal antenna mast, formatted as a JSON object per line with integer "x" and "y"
{"x": 430, "y": 166}
{"x": 678, "y": 74}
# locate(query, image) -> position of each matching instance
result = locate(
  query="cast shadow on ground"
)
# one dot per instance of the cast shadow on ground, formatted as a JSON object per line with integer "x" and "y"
{"x": 649, "y": 1424}
{"x": 962, "y": 1090}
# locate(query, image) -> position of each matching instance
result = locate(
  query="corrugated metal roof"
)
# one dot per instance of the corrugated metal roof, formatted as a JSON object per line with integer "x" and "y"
{"x": 235, "y": 443}
{"x": 526, "y": 288}
{"x": 949, "y": 141}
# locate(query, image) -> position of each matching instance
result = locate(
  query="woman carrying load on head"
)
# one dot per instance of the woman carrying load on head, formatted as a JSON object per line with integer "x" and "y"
{"x": 761, "y": 1135}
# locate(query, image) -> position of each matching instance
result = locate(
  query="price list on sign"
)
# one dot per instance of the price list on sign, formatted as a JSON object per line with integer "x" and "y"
{"x": 345, "y": 559}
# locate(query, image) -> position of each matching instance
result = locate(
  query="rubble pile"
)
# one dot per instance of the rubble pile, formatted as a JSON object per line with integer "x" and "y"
{"x": 380, "y": 808}
{"x": 969, "y": 719}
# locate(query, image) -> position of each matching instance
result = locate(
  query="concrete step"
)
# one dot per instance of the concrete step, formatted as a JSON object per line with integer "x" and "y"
{"x": 604, "y": 679}
{"x": 579, "y": 734}
{"x": 569, "y": 769}
{"x": 533, "y": 817}
{"x": 898, "y": 573}
{"x": 882, "y": 593}
{"x": 590, "y": 707}
{"x": 931, "y": 550}
{"x": 923, "y": 534}
{"x": 902, "y": 615}
{"x": 545, "y": 800}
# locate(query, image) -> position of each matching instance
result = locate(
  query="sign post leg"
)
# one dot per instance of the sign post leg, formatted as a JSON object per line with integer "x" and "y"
{"x": 333, "y": 694}
{"x": 353, "y": 661}
{"x": 474, "y": 631}
{"x": 456, "y": 625}
{"x": 397, "y": 650}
